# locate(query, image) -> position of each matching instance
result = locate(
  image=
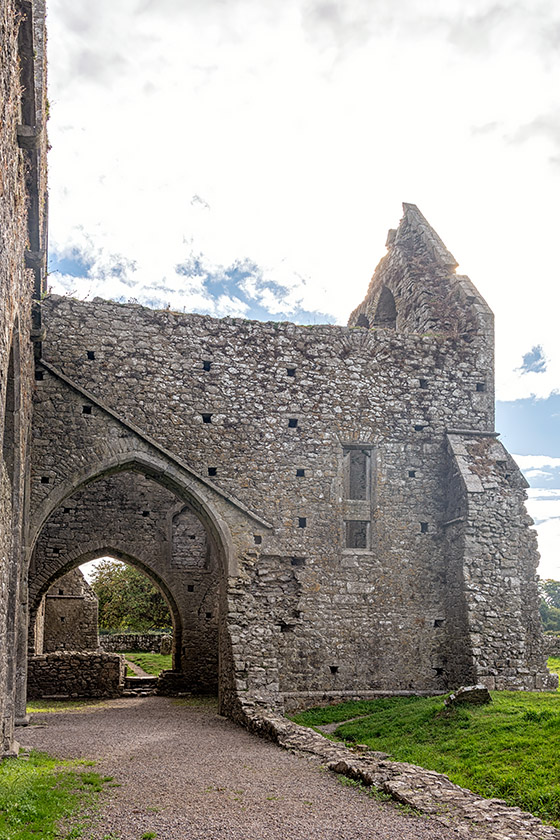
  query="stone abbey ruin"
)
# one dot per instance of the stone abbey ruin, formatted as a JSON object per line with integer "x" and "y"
{"x": 327, "y": 510}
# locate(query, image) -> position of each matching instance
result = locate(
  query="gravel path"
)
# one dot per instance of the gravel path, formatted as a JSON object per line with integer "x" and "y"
{"x": 186, "y": 773}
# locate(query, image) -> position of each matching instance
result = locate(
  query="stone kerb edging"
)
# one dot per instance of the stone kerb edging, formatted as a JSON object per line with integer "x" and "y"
{"x": 469, "y": 815}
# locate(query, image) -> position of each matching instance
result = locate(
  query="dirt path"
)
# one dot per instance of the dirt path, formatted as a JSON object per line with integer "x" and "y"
{"x": 186, "y": 773}
{"x": 139, "y": 672}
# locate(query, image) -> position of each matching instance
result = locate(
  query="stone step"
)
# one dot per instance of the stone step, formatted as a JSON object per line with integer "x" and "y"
{"x": 147, "y": 683}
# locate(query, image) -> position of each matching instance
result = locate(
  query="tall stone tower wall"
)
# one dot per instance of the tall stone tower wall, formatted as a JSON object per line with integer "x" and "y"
{"x": 22, "y": 242}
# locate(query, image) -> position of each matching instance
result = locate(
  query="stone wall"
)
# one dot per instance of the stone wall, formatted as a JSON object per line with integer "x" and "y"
{"x": 22, "y": 220}
{"x": 75, "y": 674}
{"x": 551, "y": 645}
{"x": 318, "y": 503}
{"x": 70, "y": 615}
{"x": 143, "y": 642}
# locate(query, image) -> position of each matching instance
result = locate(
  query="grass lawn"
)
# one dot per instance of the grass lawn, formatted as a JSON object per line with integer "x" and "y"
{"x": 554, "y": 665}
{"x": 509, "y": 749}
{"x": 38, "y": 792}
{"x": 44, "y": 706}
{"x": 151, "y": 663}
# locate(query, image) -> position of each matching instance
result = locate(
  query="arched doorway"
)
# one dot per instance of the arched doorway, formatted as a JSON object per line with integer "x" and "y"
{"x": 129, "y": 515}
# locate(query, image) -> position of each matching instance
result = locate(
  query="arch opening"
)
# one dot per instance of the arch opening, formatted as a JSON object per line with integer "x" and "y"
{"x": 136, "y": 520}
{"x": 386, "y": 310}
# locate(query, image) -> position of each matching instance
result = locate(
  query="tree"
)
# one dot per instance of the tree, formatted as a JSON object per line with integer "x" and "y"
{"x": 549, "y": 606}
{"x": 128, "y": 600}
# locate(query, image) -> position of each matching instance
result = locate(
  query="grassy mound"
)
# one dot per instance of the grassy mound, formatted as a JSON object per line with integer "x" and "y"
{"x": 508, "y": 749}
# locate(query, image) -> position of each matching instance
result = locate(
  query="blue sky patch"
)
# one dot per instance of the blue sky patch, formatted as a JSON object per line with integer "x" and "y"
{"x": 534, "y": 361}
{"x": 262, "y": 299}
{"x": 530, "y": 426}
{"x": 74, "y": 265}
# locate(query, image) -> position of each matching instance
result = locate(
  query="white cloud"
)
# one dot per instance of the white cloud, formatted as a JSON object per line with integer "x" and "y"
{"x": 537, "y": 462}
{"x": 302, "y": 126}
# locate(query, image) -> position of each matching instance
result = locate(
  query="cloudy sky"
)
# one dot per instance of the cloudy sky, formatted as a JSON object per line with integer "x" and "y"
{"x": 246, "y": 157}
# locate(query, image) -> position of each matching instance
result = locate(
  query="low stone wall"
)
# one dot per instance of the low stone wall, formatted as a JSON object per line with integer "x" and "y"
{"x": 552, "y": 645}
{"x": 464, "y": 812}
{"x": 75, "y": 674}
{"x": 142, "y": 642}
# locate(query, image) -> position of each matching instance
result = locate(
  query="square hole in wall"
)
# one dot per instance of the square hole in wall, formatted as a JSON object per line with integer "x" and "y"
{"x": 424, "y": 383}
{"x": 438, "y": 622}
{"x": 333, "y": 669}
{"x": 56, "y": 551}
{"x": 145, "y": 513}
{"x": 67, "y": 510}
{"x": 298, "y": 561}
{"x": 62, "y": 619}
{"x": 39, "y": 375}
{"x": 86, "y": 409}
{"x": 208, "y": 615}
{"x": 481, "y": 386}
{"x": 206, "y": 365}
{"x": 300, "y": 473}
{"x": 257, "y": 538}
{"x": 190, "y": 587}
{"x": 91, "y": 355}
{"x": 212, "y": 470}
{"x": 357, "y": 533}
{"x": 290, "y": 371}
{"x": 424, "y": 527}
{"x": 412, "y": 473}
{"x": 302, "y": 522}
{"x": 292, "y": 423}
{"x": 206, "y": 418}
{"x": 61, "y": 591}
{"x": 45, "y": 479}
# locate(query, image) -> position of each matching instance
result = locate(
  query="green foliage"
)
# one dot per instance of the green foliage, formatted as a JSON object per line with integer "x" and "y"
{"x": 127, "y": 599}
{"x": 37, "y": 793}
{"x": 549, "y": 606}
{"x": 507, "y": 749}
{"x": 151, "y": 663}
{"x": 550, "y": 592}
{"x": 550, "y": 617}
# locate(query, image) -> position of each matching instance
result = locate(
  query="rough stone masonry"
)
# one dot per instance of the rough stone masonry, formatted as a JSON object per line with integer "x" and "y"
{"x": 328, "y": 510}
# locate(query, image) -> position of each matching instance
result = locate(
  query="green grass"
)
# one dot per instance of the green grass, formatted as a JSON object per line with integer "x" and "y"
{"x": 152, "y": 663}
{"x": 554, "y": 665}
{"x": 43, "y": 706}
{"x": 39, "y": 794}
{"x": 508, "y": 749}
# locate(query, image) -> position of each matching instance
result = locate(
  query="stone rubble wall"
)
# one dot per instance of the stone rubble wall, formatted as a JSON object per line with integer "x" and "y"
{"x": 304, "y": 613}
{"x": 22, "y": 193}
{"x": 309, "y": 583}
{"x": 75, "y": 674}
{"x": 142, "y": 642}
{"x": 499, "y": 569}
{"x": 551, "y": 645}
{"x": 466, "y": 813}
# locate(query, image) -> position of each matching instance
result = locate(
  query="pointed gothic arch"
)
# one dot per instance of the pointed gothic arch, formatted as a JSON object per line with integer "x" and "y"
{"x": 386, "y": 310}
